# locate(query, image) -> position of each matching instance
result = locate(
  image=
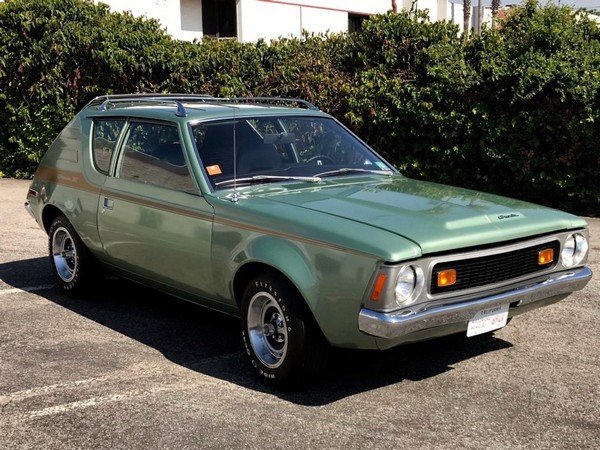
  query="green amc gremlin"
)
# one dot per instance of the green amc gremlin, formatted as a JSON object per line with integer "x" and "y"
{"x": 272, "y": 210}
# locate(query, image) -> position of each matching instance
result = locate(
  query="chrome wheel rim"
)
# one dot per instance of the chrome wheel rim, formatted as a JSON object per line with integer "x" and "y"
{"x": 64, "y": 254}
{"x": 267, "y": 329}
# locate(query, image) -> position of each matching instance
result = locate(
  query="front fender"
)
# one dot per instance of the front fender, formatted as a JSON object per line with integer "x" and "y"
{"x": 286, "y": 257}
{"x": 331, "y": 281}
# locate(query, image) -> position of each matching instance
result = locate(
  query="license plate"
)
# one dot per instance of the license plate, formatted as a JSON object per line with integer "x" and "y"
{"x": 488, "y": 320}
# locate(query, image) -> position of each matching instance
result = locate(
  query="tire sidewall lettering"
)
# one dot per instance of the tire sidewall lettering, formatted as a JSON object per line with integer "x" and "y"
{"x": 279, "y": 296}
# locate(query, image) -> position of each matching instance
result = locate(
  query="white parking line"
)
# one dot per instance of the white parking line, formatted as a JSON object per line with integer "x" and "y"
{"x": 26, "y": 289}
{"x": 40, "y": 390}
{"x": 94, "y": 401}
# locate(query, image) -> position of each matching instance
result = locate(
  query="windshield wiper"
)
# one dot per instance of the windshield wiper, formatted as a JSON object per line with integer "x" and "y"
{"x": 350, "y": 169}
{"x": 268, "y": 179}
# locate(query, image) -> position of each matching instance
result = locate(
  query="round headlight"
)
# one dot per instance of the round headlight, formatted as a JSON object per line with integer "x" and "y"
{"x": 574, "y": 250}
{"x": 408, "y": 285}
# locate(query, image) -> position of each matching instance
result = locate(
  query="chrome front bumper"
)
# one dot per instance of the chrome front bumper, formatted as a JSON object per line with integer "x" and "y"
{"x": 396, "y": 324}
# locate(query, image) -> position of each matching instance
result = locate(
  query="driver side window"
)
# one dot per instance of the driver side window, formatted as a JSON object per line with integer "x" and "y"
{"x": 153, "y": 155}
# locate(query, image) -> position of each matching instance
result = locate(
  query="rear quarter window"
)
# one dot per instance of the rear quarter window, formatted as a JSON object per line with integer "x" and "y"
{"x": 106, "y": 135}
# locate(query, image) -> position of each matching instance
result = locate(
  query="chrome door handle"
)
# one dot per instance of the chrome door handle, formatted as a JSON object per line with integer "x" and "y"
{"x": 108, "y": 203}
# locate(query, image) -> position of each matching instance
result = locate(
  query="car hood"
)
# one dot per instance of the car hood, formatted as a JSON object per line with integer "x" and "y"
{"x": 436, "y": 217}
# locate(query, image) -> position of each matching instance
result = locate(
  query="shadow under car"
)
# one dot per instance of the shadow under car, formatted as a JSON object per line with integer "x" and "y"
{"x": 199, "y": 339}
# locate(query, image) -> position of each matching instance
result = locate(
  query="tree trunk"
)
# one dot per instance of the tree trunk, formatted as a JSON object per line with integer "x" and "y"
{"x": 394, "y": 6}
{"x": 495, "y": 8}
{"x": 479, "y": 15}
{"x": 467, "y": 15}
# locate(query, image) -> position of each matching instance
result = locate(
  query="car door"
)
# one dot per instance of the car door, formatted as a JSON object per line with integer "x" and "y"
{"x": 152, "y": 220}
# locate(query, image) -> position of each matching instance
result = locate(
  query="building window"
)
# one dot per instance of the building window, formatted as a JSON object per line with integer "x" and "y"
{"x": 219, "y": 18}
{"x": 191, "y": 15}
{"x": 355, "y": 22}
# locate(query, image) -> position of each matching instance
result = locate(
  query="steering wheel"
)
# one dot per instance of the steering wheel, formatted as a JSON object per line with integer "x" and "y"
{"x": 309, "y": 160}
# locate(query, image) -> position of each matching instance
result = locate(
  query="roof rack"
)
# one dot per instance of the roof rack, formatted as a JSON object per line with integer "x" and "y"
{"x": 102, "y": 98}
{"x": 181, "y": 111}
{"x": 179, "y": 99}
{"x": 267, "y": 100}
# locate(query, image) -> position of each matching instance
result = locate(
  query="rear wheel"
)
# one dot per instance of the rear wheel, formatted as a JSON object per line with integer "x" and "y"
{"x": 282, "y": 339}
{"x": 72, "y": 263}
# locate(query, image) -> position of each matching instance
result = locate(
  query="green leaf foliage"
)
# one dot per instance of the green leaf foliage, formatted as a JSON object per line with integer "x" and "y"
{"x": 515, "y": 111}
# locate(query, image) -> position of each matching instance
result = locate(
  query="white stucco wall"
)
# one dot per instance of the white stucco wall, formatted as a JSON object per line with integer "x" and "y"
{"x": 315, "y": 20}
{"x": 431, "y": 6}
{"x": 593, "y": 16}
{"x": 258, "y": 19}
{"x": 168, "y": 12}
{"x": 487, "y": 17}
{"x": 356, "y": 6}
{"x": 455, "y": 14}
{"x": 267, "y": 19}
{"x": 271, "y": 19}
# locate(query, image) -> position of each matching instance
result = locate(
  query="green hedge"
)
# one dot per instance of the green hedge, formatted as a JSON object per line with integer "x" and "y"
{"x": 515, "y": 111}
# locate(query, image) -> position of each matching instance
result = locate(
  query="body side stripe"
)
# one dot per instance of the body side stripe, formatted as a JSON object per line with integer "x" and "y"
{"x": 77, "y": 180}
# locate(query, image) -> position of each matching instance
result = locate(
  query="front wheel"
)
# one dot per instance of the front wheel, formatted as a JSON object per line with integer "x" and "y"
{"x": 71, "y": 262}
{"x": 282, "y": 339}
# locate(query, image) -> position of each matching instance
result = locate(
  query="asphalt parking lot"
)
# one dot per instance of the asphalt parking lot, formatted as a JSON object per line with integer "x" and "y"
{"x": 129, "y": 367}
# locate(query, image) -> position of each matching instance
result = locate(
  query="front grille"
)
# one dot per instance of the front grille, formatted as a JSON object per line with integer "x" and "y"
{"x": 492, "y": 269}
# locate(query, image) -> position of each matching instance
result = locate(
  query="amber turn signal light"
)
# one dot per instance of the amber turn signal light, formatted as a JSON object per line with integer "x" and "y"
{"x": 378, "y": 288}
{"x": 545, "y": 256}
{"x": 446, "y": 277}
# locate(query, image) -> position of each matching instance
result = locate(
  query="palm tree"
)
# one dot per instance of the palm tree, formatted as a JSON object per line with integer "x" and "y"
{"x": 495, "y": 8}
{"x": 467, "y": 15}
{"x": 394, "y": 6}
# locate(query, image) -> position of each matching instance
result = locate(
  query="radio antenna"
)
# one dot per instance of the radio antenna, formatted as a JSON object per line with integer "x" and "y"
{"x": 234, "y": 197}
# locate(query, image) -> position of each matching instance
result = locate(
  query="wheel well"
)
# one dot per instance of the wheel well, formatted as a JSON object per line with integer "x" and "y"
{"x": 49, "y": 213}
{"x": 249, "y": 271}
{"x": 252, "y": 269}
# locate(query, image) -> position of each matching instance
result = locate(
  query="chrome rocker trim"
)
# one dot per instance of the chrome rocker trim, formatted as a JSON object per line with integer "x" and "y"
{"x": 399, "y": 323}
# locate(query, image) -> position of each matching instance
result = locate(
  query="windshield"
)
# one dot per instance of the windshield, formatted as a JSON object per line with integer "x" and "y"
{"x": 281, "y": 148}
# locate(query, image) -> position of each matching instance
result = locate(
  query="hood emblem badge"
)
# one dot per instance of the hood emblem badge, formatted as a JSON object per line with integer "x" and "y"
{"x": 508, "y": 216}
